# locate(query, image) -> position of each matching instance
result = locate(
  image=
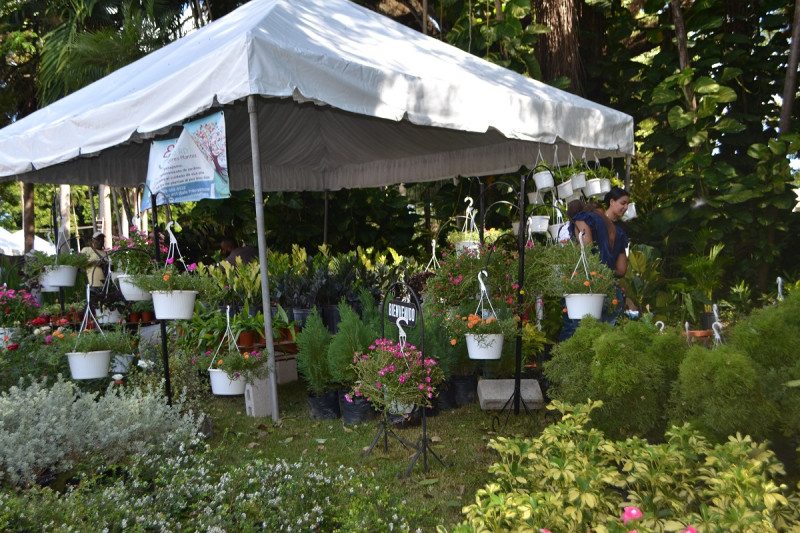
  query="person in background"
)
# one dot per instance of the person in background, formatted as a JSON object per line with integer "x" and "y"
{"x": 231, "y": 251}
{"x": 98, "y": 260}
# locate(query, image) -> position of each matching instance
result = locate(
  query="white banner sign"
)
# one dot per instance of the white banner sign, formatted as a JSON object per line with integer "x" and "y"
{"x": 192, "y": 167}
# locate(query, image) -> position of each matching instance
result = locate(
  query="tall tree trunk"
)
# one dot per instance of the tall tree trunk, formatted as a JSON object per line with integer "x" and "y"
{"x": 64, "y": 204}
{"x": 681, "y": 41}
{"x": 558, "y": 51}
{"x": 790, "y": 85}
{"x": 28, "y": 216}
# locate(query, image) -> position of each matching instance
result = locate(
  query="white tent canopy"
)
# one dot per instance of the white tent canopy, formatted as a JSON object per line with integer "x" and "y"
{"x": 14, "y": 243}
{"x": 350, "y": 99}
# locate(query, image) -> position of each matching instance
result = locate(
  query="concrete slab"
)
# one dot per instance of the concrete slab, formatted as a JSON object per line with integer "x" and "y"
{"x": 256, "y": 398}
{"x": 494, "y": 393}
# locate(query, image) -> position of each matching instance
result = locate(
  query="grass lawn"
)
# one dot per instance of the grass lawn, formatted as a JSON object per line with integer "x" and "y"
{"x": 459, "y": 437}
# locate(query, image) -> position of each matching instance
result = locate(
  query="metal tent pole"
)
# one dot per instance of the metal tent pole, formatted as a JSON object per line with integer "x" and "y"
{"x": 258, "y": 194}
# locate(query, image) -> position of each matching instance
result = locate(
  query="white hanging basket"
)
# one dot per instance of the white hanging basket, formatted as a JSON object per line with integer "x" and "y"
{"x": 630, "y": 212}
{"x": 467, "y": 246}
{"x": 131, "y": 292}
{"x": 223, "y": 384}
{"x": 535, "y": 198}
{"x": 564, "y": 189}
{"x": 592, "y": 187}
{"x": 89, "y": 365}
{"x": 580, "y": 305}
{"x": 543, "y": 180}
{"x": 121, "y": 363}
{"x": 174, "y": 305}
{"x": 555, "y": 229}
{"x": 579, "y": 180}
{"x": 489, "y": 346}
{"x": 59, "y": 276}
{"x": 605, "y": 185}
{"x": 539, "y": 223}
{"x": 108, "y": 316}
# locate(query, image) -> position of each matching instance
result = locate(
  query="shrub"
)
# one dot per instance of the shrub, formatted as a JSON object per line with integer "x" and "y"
{"x": 353, "y": 336}
{"x": 312, "y": 354}
{"x": 719, "y": 391}
{"x": 769, "y": 338}
{"x": 46, "y": 431}
{"x": 188, "y": 490}
{"x": 630, "y": 368}
{"x": 572, "y": 478}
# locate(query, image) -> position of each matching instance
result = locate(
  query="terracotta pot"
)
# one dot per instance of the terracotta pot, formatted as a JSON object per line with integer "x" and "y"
{"x": 246, "y": 338}
{"x": 134, "y": 318}
{"x": 148, "y": 316}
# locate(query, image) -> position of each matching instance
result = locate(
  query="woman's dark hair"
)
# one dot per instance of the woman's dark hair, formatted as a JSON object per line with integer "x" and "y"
{"x": 615, "y": 194}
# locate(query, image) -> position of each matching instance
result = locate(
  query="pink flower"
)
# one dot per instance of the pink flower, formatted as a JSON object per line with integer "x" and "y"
{"x": 170, "y": 260}
{"x": 543, "y": 530}
{"x": 191, "y": 267}
{"x": 630, "y": 513}
{"x": 348, "y": 398}
{"x": 689, "y": 529}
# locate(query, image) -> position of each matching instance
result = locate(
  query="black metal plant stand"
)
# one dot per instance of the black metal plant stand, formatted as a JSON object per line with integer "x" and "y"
{"x": 422, "y": 445}
{"x": 515, "y": 399}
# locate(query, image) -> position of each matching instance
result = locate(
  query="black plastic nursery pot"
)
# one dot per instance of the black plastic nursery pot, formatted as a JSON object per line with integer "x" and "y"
{"x": 325, "y": 407}
{"x": 356, "y": 411}
{"x": 465, "y": 388}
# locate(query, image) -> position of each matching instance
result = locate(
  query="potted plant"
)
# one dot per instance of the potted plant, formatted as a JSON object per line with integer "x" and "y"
{"x": 123, "y": 344}
{"x": 563, "y": 179}
{"x": 88, "y": 353}
{"x": 283, "y": 329}
{"x": 456, "y": 280}
{"x": 353, "y": 335}
{"x": 231, "y": 369}
{"x": 583, "y": 280}
{"x": 174, "y": 290}
{"x": 543, "y": 178}
{"x": 133, "y": 254}
{"x": 245, "y": 326}
{"x": 59, "y": 270}
{"x": 464, "y": 241}
{"x": 295, "y": 291}
{"x": 143, "y": 311}
{"x": 483, "y": 329}
{"x": 395, "y": 377}
{"x": 313, "y": 342}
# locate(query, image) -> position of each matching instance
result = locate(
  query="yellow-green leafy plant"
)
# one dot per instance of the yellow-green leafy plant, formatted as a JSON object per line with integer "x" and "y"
{"x": 573, "y": 478}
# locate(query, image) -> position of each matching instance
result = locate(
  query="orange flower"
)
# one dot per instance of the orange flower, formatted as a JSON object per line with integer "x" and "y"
{"x": 246, "y": 355}
{"x": 564, "y": 310}
{"x": 219, "y": 363}
{"x": 594, "y": 273}
{"x": 586, "y": 283}
{"x": 452, "y": 342}
{"x": 615, "y": 301}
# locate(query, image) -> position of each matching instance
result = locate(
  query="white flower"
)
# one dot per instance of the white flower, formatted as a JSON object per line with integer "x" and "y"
{"x": 117, "y": 377}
